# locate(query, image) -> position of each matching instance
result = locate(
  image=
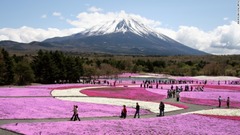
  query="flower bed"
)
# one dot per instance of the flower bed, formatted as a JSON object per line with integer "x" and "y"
{"x": 193, "y": 124}
{"x": 234, "y": 96}
{"x": 37, "y": 90}
{"x": 21, "y": 91}
{"x": 125, "y": 93}
{"x": 224, "y": 87}
{"x": 60, "y": 86}
{"x": 210, "y": 98}
{"x": 209, "y": 102}
{"x": 223, "y": 117}
{"x": 232, "y": 114}
{"x": 219, "y": 112}
{"x": 34, "y": 108}
{"x": 162, "y": 92}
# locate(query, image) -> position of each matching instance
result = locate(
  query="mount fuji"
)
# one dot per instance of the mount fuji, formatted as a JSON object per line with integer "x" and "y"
{"x": 121, "y": 36}
{"x": 124, "y": 36}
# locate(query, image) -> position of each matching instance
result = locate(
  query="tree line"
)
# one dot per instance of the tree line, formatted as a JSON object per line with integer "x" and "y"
{"x": 49, "y": 67}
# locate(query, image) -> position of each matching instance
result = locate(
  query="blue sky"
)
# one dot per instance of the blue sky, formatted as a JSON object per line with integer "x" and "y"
{"x": 173, "y": 16}
{"x": 204, "y": 14}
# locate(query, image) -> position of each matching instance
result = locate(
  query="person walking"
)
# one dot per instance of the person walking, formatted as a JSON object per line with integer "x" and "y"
{"x": 75, "y": 113}
{"x": 161, "y": 108}
{"x": 124, "y": 112}
{"x": 219, "y": 101}
{"x": 137, "y": 111}
{"x": 228, "y": 102}
{"x": 76, "y": 116}
{"x": 177, "y": 96}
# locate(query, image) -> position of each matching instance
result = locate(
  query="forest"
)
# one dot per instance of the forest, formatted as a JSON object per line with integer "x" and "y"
{"x": 47, "y": 67}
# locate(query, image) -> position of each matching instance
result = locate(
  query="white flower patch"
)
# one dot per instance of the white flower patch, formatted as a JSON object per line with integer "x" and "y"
{"x": 215, "y": 77}
{"x": 151, "y": 106}
{"x": 221, "y": 112}
{"x": 72, "y": 91}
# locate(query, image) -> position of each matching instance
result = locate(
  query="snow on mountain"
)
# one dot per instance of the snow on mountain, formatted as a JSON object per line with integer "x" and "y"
{"x": 124, "y": 23}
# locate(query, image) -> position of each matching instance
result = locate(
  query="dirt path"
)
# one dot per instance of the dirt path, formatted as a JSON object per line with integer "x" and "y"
{"x": 191, "y": 108}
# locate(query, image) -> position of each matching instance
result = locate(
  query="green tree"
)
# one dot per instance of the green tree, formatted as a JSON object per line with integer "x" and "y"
{"x": 23, "y": 73}
{"x": 7, "y": 69}
{"x": 89, "y": 71}
{"x": 59, "y": 60}
{"x": 44, "y": 68}
{"x": 2, "y": 69}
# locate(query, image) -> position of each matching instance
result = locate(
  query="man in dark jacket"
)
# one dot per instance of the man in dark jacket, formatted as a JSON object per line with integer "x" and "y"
{"x": 161, "y": 108}
{"x": 137, "y": 111}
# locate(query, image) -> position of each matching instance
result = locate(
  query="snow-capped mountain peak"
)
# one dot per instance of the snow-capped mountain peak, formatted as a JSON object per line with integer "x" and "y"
{"x": 121, "y": 24}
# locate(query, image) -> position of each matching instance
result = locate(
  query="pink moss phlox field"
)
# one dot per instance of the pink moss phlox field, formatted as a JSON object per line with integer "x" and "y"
{"x": 21, "y": 108}
{"x": 126, "y": 93}
{"x": 222, "y": 117}
{"x": 234, "y": 96}
{"x": 224, "y": 87}
{"x": 60, "y": 86}
{"x": 209, "y": 102}
{"x": 37, "y": 90}
{"x": 17, "y": 91}
{"x": 212, "y": 81}
{"x": 210, "y": 98}
{"x": 169, "y": 125}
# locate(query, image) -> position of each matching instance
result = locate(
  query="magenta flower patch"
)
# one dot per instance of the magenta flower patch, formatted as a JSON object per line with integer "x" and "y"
{"x": 126, "y": 93}
{"x": 59, "y": 86}
{"x": 224, "y": 87}
{"x": 29, "y": 108}
{"x": 210, "y": 98}
{"x": 222, "y": 117}
{"x": 15, "y": 91}
{"x": 170, "y": 125}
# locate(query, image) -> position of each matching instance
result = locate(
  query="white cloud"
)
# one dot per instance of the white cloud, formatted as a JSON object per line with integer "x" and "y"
{"x": 87, "y": 20}
{"x": 28, "y": 34}
{"x": 193, "y": 37}
{"x": 221, "y": 40}
{"x": 225, "y": 18}
{"x": 59, "y": 15}
{"x": 56, "y": 14}
{"x": 94, "y": 9}
{"x": 4, "y": 37}
{"x": 44, "y": 16}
